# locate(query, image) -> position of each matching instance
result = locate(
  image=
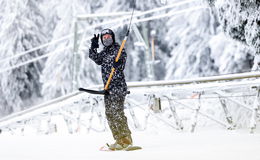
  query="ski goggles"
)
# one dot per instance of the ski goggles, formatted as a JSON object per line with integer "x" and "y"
{"x": 106, "y": 31}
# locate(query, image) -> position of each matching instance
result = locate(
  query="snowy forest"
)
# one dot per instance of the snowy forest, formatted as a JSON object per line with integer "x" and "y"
{"x": 37, "y": 51}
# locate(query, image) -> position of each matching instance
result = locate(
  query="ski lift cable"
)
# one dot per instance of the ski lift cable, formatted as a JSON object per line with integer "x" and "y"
{"x": 170, "y": 14}
{"x": 37, "y": 48}
{"x": 164, "y": 8}
{"x": 130, "y": 16}
{"x": 174, "y": 4}
{"x": 156, "y": 17}
{"x": 134, "y": 22}
{"x": 33, "y": 60}
{"x": 136, "y": 15}
{"x": 100, "y": 24}
{"x": 130, "y": 23}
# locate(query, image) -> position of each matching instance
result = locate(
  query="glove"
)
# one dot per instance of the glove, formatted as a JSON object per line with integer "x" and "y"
{"x": 118, "y": 63}
{"x": 94, "y": 41}
{"x": 106, "y": 92}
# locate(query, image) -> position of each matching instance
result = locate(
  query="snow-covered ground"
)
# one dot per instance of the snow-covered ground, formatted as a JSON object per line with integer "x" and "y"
{"x": 156, "y": 134}
{"x": 209, "y": 144}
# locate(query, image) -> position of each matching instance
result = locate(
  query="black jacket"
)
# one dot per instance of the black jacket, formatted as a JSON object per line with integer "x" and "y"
{"x": 106, "y": 59}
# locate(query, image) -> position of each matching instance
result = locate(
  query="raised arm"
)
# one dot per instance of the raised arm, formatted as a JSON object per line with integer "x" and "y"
{"x": 93, "y": 54}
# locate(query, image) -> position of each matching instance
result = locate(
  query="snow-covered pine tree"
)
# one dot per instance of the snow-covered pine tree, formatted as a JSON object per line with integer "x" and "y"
{"x": 200, "y": 49}
{"x": 21, "y": 30}
{"x": 51, "y": 18}
{"x": 187, "y": 38}
{"x": 58, "y": 72}
{"x": 241, "y": 21}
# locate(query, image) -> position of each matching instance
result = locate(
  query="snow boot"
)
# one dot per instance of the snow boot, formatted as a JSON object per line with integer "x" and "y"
{"x": 126, "y": 140}
{"x": 121, "y": 143}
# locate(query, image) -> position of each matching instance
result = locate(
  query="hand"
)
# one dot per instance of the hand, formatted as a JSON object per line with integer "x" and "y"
{"x": 106, "y": 92}
{"x": 118, "y": 63}
{"x": 94, "y": 41}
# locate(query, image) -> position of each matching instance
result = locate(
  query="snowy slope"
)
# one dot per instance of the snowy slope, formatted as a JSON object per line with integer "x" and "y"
{"x": 159, "y": 138}
{"x": 203, "y": 145}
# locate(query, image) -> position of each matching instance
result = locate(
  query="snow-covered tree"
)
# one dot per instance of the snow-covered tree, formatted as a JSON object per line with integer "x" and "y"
{"x": 58, "y": 72}
{"x": 199, "y": 48}
{"x": 241, "y": 21}
{"x": 20, "y": 30}
{"x": 50, "y": 14}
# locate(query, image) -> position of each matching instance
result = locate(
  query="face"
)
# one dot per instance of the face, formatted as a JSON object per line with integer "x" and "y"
{"x": 107, "y": 40}
{"x": 106, "y": 36}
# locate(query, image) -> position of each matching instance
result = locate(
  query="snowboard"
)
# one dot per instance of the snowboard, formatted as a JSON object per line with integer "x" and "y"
{"x": 129, "y": 148}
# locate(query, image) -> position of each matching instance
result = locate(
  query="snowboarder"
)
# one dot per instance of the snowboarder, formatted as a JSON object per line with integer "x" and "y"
{"x": 115, "y": 95}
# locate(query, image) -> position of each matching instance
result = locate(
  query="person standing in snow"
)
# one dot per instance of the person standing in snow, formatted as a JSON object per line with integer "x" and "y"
{"x": 115, "y": 96}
